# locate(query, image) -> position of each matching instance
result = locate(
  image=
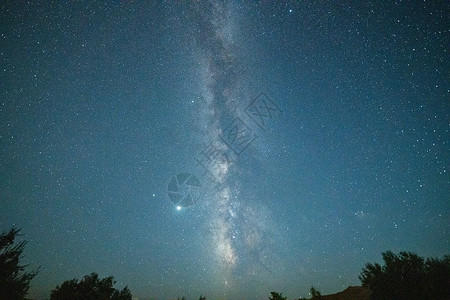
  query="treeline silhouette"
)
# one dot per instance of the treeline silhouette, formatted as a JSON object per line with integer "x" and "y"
{"x": 405, "y": 276}
{"x": 90, "y": 287}
{"x": 408, "y": 276}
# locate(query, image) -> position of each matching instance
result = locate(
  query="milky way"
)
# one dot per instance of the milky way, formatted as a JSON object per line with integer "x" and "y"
{"x": 236, "y": 229}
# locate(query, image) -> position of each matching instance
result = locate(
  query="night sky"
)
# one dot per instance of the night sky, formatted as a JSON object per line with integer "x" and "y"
{"x": 227, "y": 149}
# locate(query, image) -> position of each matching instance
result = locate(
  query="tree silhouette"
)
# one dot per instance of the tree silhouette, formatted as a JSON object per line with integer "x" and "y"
{"x": 202, "y": 297}
{"x": 277, "y": 296}
{"x": 14, "y": 281}
{"x": 315, "y": 294}
{"x": 407, "y": 276}
{"x": 438, "y": 277}
{"x": 90, "y": 287}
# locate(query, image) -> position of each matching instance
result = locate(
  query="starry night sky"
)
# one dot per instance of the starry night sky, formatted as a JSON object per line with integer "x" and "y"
{"x": 317, "y": 135}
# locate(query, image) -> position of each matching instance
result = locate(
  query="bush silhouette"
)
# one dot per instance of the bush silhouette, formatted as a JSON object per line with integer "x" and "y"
{"x": 315, "y": 294}
{"x": 90, "y": 287}
{"x": 407, "y": 276}
{"x": 276, "y": 296}
{"x": 14, "y": 281}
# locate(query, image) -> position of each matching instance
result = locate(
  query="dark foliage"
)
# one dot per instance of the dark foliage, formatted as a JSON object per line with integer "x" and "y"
{"x": 14, "y": 281}
{"x": 90, "y": 287}
{"x": 276, "y": 296}
{"x": 315, "y": 294}
{"x": 407, "y": 277}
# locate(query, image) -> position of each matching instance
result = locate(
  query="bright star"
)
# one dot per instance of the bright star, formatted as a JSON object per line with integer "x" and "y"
{"x": 178, "y": 207}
